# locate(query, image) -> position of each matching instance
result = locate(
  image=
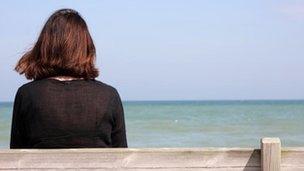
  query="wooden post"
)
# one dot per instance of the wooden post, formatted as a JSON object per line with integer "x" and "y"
{"x": 271, "y": 154}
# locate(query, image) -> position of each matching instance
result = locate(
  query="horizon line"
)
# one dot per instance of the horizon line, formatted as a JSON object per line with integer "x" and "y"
{"x": 177, "y": 100}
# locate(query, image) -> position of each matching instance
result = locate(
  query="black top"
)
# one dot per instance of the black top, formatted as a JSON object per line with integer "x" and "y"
{"x": 49, "y": 113}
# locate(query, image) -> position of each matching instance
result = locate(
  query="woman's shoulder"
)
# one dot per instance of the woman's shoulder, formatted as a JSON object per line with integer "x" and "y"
{"x": 45, "y": 83}
{"x": 102, "y": 84}
{"x": 32, "y": 85}
{"x": 27, "y": 86}
{"x": 112, "y": 90}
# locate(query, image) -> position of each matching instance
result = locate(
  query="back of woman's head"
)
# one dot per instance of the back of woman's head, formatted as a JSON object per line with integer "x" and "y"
{"x": 64, "y": 48}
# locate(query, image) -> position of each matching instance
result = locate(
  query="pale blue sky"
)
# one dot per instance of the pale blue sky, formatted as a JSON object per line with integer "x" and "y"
{"x": 173, "y": 49}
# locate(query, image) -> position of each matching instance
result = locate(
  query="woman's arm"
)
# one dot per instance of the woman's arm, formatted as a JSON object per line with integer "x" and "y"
{"x": 118, "y": 134}
{"x": 17, "y": 128}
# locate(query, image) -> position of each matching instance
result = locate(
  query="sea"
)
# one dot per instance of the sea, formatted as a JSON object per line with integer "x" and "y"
{"x": 217, "y": 123}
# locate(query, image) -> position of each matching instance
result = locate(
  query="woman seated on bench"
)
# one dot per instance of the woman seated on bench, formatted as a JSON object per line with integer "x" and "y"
{"x": 64, "y": 106}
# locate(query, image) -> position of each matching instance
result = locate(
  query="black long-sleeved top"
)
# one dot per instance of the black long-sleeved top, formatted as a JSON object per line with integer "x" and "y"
{"x": 49, "y": 113}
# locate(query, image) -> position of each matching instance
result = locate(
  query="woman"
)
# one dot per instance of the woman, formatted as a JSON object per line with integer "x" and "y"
{"x": 64, "y": 106}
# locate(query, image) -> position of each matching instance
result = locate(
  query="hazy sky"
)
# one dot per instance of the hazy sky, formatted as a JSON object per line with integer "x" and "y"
{"x": 175, "y": 50}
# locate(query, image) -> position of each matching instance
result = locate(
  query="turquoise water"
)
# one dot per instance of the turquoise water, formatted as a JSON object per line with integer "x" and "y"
{"x": 202, "y": 123}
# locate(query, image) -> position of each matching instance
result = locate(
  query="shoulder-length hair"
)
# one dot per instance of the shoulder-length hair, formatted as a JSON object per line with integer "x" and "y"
{"x": 64, "y": 48}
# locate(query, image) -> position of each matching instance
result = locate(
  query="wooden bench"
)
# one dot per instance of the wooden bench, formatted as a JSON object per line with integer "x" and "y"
{"x": 269, "y": 158}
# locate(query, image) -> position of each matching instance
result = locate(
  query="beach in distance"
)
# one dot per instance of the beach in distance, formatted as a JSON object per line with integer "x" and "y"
{"x": 215, "y": 123}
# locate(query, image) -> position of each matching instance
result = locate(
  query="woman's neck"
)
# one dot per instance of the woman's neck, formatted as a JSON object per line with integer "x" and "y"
{"x": 65, "y": 78}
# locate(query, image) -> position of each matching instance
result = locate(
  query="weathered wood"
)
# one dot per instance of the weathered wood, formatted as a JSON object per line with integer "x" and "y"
{"x": 161, "y": 159}
{"x": 271, "y": 154}
{"x": 292, "y": 159}
{"x": 132, "y": 159}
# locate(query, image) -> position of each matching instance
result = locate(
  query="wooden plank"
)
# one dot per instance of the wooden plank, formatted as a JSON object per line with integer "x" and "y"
{"x": 271, "y": 154}
{"x": 161, "y": 159}
{"x": 292, "y": 159}
{"x": 132, "y": 159}
{"x": 141, "y": 169}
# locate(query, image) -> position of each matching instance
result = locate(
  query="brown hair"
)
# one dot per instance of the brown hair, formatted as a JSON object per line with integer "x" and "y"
{"x": 64, "y": 48}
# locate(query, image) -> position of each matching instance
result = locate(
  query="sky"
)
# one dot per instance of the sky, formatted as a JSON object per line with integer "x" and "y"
{"x": 174, "y": 49}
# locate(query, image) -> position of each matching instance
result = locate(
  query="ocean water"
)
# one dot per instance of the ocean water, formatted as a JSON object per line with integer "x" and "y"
{"x": 201, "y": 123}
